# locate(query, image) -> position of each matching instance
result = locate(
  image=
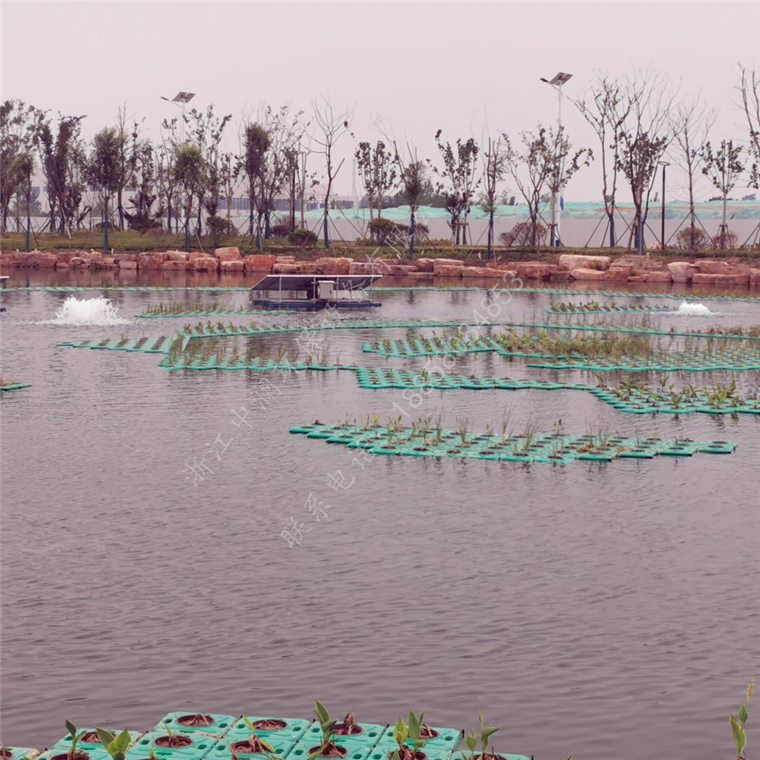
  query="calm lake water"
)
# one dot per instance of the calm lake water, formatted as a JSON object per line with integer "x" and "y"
{"x": 610, "y": 610}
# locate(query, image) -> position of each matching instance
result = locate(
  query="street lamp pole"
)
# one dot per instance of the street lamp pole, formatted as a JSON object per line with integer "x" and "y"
{"x": 663, "y": 164}
{"x": 557, "y": 83}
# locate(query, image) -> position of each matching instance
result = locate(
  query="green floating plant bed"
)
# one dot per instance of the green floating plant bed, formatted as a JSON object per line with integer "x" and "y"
{"x": 232, "y": 747}
{"x": 550, "y": 448}
{"x": 609, "y": 310}
{"x": 679, "y": 296}
{"x": 435, "y": 738}
{"x": 271, "y": 728}
{"x": 213, "y": 313}
{"x": 185, "y": 722}
{"x": 15, "y": 386}
{"x": 192, "y": 747}
{"x": 18, "y": 753}
{"x": 366, "y": 735}
{"x": 304, "y": 749}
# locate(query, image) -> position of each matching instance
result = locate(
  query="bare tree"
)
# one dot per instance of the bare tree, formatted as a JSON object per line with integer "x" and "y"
{"x": 643, "y": 138}
{"x": 544, "y": 161}
{"x": 377, "y": 169}
{"x": 606, "y": 108}
{"x": 749, "y": 89}
{"x": 329, "y": 128}
{"x": 690, "y": 124}
{"x": 723, "y": 168}
{"x": 19, "y": 124}
{"x": 413, "y": 176}
{"x": 494, "y": 168}
{"x": 460, "y": 166}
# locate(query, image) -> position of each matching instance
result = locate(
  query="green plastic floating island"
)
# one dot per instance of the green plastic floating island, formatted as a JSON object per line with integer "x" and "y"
{"x": 422, "y": 440}
{"x": 594, "y": 307}
{"x": 14, "y": 386}
{"x": 186, "y": 736}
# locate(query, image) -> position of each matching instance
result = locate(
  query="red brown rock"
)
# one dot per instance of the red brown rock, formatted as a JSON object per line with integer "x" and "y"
{"x": 227, "y": 254}
{"x": 754, "y": 276}
{"x": 6, "y": 260}
{"x": 619, "y": 273}
{"x": 424, "y": 265}
{"x": 285, "y": 269}
{"x": 708, "y": 266}
{"x": 333, "y": 265}
{"x": 659, "y": 277}
{"x": 480, "y": 272}
{"x": 178, "y": 255}
{"x": 534, "y": 270}
{"x": 176, "y": 266}
{"x": 638, "y": 278}
{"x": 205, "y": 264}
{"x": 127, "y": 265}
{"x": 701, "y": 278}
{"x": 447, "y": 270}
{"x": 582, "y": 261}
{"x": 260, "y": 262}
{"x": 77, "y": 262}
{"x": 588, "y": 274}
{"x": 681, "y": 271}
{"x": 306, "y": 267}
{"x": 61, "y": 265}
{"x": 152, "y": 260}
{"x": 47, "y": 260}
{"x": 231, "y": 265}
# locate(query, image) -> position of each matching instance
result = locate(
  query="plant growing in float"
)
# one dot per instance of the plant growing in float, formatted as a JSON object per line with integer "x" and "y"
{"x": 75, "y": 738}
{"x": 739, "y": 722}
{"x": 402, "y": 732}
{"x": 328, "y": 727}
{"x": 471, "y": 739}
{"x": 116, "y": 746}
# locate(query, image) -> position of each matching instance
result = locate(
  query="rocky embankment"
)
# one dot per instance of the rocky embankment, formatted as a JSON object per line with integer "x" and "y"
{"x": 569, "y": 267}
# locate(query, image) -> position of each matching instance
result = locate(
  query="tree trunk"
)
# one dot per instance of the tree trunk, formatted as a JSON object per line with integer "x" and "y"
{"x": 612, "y": 228}
{"x": 412, "y": 229}
{"x": 490, "y": 232}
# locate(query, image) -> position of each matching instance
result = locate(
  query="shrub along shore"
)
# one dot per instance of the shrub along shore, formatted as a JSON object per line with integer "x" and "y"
{"x": 729, "y": 273}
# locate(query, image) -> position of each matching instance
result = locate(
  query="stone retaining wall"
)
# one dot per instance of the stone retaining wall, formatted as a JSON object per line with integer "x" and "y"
{"x": 570, "y": 267}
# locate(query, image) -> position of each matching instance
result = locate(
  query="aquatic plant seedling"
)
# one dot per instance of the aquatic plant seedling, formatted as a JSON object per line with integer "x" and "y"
{"x": 403, "y": 732}
{"x": 116, "y": 746}
{"x": 486, "y": 732}
{"x": 739, "y": 722}
{"x": 75, "y": 739}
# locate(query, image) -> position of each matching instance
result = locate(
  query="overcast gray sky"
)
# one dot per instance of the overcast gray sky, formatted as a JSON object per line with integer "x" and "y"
{"x": 415, "y": 67}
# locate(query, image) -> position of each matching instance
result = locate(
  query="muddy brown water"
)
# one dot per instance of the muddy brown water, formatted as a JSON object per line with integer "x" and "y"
{"x": 605, "y": 609}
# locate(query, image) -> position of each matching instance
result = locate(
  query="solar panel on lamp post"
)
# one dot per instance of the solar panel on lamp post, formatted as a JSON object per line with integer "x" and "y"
{"x": 556, "y": 82}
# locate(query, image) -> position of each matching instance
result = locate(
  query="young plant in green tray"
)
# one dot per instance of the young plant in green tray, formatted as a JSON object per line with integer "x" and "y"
{"x": 76, "y": 737}
{"x": 328, "y": 727}
{"x": 403, "y": 732}
{"x": 252, "y": 745}
{"x": 116, "y": 746}
{"x": 738, "y": 724}
{"x": 485, "y": 734}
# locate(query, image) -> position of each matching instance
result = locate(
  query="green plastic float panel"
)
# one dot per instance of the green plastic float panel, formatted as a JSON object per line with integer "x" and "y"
{"x": 220, "y": 725}
{"x": 542, "y": 448}
{"x": 369, "y": 737}
{"x": 468, "y": 756}
{"x": 385, "y": 750}
{"x": 355, "y": 751}
{"x": 609, "y": 310}
{"x": 222, "y": 750}
{"x": 550, "y": 291}
{"x": 15, "y": 386}
{"x": 295, "y": 728}
{"x": 64, "y": 745}
{"x": 199, "y": 749}
{"x": 232, "y": 313}
{"x": 18, "y": 753}
{"x": 447, "y": 739}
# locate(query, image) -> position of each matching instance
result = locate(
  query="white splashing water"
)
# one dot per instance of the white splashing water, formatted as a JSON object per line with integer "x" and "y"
{"x": 88, "y": 311}
{"x": 694, "y": 309}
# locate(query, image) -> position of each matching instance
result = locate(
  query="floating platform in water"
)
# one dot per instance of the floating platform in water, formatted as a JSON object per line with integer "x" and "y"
{"x": 320, "y": 291}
